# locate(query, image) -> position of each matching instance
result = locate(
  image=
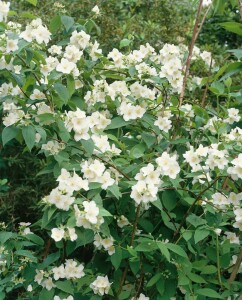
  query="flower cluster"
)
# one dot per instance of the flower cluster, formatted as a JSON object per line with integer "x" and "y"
{"x": 106, "y": 243}
{"x": 101, "y": 285}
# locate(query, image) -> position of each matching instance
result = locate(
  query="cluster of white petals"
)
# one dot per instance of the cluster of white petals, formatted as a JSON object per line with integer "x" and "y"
{"x": 106, "y": 243}
{"x": 101, "y": 285}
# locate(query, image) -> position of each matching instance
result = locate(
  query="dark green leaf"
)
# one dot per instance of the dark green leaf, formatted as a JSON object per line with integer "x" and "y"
{"x": 169, "y": 199}
{"x": 176, "y": 249}
{"x": 88, "y": 145}
{"x": 116, "y": 258}
{"x": 62, "y": 92}
{"x": 117, "y": 123}
{"x": 68, "y": 22}
{"x": 65, "y": 286}
{"x": 154, "y": 279}
{"x": 209, "y": 293}
{"x": 8, "y": 134}
{"x": 29, "y": 136}
{"x": 163, "y": 249}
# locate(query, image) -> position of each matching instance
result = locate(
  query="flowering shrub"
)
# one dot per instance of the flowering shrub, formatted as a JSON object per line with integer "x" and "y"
{"x": 148, "y": 189}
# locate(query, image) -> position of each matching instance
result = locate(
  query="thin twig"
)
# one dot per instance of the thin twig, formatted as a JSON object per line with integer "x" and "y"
{"x": 206, "y": 88}
{"x": 240, "y": 8}
{"x": 193, "y": 204}
{"x": 131, "y": 244}
{"x": 236, "y": 268}
{"x": 189, "y": 58}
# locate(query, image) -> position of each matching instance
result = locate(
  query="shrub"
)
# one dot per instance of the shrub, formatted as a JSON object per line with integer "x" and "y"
{"x": 146, "y": 203}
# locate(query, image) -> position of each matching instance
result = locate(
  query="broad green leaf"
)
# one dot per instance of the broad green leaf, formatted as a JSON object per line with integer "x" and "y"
{"x": 55, "y": 24}
{"x": 196, "y": 278}
{"x": 169, "y": 199}
{"x": 117, "y": 122}
{"x": 209, "y": 270}
{"x": 8, "y": 134}
{"x": 176, "y": 249}
{"x": 33, "y": 2}
{"x": 232, "y": 69}
{"x": 35, "y": 238}
{"x": 236, "y": 52}
{"x": 26, "y": 253}
{"x": 114, "y": 189}
{"x": 200, "y": 234}
{"x": 124, "y": 43}
{"x": 232, "y": 27}
{"x": 116, "y": 258}
{"x": 68, "y": 22}
{"x": 195, "y": 220}
{"x": 138, "y": 151}
{"x": 147, "y": 246}
{"x": 154, "y": 279}
{"x": 65, "y": 286}
{"x": 50, "y": 259}
{"x": 164, "y": 250}
{"x": 62, "y": 92}
{"x": 4, "y": 236}
{"x": 71, "y": 85}
{"x": 209, "y": 293}
{"x": 148, "y": 139}
{"x": 88, "y": 146}
{"x": 29, "y": 136}
{"x": 45, "y": 294}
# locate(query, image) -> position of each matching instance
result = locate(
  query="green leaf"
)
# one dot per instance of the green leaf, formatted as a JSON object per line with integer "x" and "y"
{"x": 29, "y": 136}
{"x": 209, "y": 293}
{"x": 45, "y": 294}
{"x": 209, "y": 270}
{"x": 164, "y": 250}
{"x": 55, "y": 24}
{"x": 8, "y": 134}
{"x": 33, "y": 2}
{"x": 68, "y": 22}
{"x": 4, "y": 236}
{"x": 195, "y": 220}
{"x": 124, "y": 43}
{"x": 176, "y": 249}
{"x": 71, "y": 85}
{"x": 26, "y": 253}
{"x": 65, "y": 286}
{"x": 35, "y": 238}
{"x": 154, "y": 279}
{"x": 117, "y": 123}
{"x": 200, "y": 234}
{"x": 138, "y": 151}
{"x": 232, "y": 69}
{"x": 232, "y": 27}
{"x": 157, "y": 203}
{"x": 236, "y": 52}
{"x": 196, "y": 278}
{"x": 169, "y": 199}
{"x": 62, "y": 92}
{"x": 50, "y": 259}
{"x": 146, "y": 246}
{"x": 114, "y": 189}
{"x": 148, "y": 139}
{"x": 88, "y": 146}
{"x": 63, "y": 132}
{"x": 116, "y": 258}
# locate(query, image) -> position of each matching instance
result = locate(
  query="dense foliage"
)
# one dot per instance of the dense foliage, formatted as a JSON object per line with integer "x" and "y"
{"x": 143, "y": 196}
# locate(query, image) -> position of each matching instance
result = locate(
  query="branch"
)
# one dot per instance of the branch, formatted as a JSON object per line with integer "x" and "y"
{"x": 189, "y": 58}
{"x": 131, "y": 244}
{"x": 236, "y": 268}
{"x": 193, "y": 204}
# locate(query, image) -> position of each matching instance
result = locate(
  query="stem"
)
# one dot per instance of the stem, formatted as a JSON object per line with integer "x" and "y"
{"x": 240, "y": 8}
{"x": 236, "y": 268}
{"x": 195, "y": 33}
{"x": 218, "y": 261}
{"x": 193, "y": 204}
{"x": 131, "y": 244}
{"x": 206, "y": 88}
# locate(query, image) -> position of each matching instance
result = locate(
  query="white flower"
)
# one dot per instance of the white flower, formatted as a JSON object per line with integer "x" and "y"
{"x": 101, "y": 285}
{"x": 141, "y": 297}
{"x": 48, "y": 284}
{"x": 65, "y": 66}
{"x": 57, "y": 234}
{"x": 72, "y": 233}
{"x": 29, "y": 288}
{"x": 91, "y": 211}
{"x": 96, "y": 10}
{"x": 207, "y": 3}
{"x": 4, "y": 9}
{"x": 12, "y": 45}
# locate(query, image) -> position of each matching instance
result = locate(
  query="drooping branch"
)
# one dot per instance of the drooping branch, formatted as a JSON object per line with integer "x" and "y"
{"x": 196, "y": 30}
